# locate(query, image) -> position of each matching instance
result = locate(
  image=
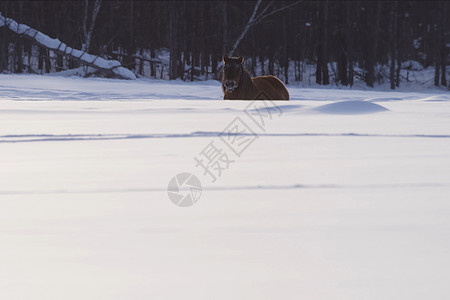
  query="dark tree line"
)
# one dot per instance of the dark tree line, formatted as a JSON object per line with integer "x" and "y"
{"x": 345, "y": 40}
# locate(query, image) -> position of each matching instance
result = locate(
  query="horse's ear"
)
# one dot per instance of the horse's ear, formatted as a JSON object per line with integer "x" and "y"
{"x": 225, "y": 58}
{"x": 241, "y": 59}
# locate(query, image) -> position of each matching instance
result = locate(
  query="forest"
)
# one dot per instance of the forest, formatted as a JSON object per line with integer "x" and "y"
{"x": 342, "y": 40}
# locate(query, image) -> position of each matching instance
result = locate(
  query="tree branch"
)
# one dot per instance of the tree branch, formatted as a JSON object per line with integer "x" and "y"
{"x": 263, "y": 12}
{"x": 255, "y": 19}
{"x": 261, "y": 16}
{"x": 110, "y": 67}
{"x": 246, "y": 28}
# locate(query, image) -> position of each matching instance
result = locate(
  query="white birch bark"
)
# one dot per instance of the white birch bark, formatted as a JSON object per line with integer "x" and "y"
{"x": 255, "y": 19}
{"x": 246, "y": 28}
{"x": 110, "y": 67}
{"x": 88, "y": 31}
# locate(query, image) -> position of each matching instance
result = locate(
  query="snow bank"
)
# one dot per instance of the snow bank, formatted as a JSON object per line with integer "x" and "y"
{"x": 320, "y": 206}
{"x": 351, "y": 107}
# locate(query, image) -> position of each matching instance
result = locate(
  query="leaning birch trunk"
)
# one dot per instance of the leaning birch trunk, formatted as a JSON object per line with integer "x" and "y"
{"x": 111, "y": 68}
{"x": 246, "y": 28}
{"x": 255, "y": 19}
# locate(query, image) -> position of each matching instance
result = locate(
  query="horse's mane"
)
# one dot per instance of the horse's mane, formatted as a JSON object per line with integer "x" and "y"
{"x": 245, "y": 77}
{"x": 246, "y": 84}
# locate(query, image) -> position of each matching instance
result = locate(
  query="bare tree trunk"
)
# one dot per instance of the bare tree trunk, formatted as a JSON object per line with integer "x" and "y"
{"x": 224, "y": 26}
{"x": 141, "y": 62}
{"x": 443, "y": 46}
{"x": 41, "y": 59}
{"x": 371, "y": 59}
{"x": 214, "y": 62}
{"x": 18, "y": 53}
{"x": 343, "y": 48}
{"x": 3, "y": 42}
{"x": 397, "y": 72}
{"x": 128, "y": 59}
{"x": 48, "y": 63}
{"x": 319, "y": 62}
{"x": 436, "y": 72}
{"x": 87, "y": 31}
{"x": 59, "y": 62}
{"x": 437, "y": 51}
{"x": 444, "y": 68}
{"x": 152, "y": 64}
{"x": 18, "y": 46}
{"x": 326, "y": 77}
{"x": 271, "y": 65}
{"x": 29, "y": 50}
{"x": 392, "y": 43}
{"x": 253, "y": 65}
{"x": 3, "y": 51}
{"x": 322, "y": 76}
{"x": 285, "y": 51}
{"x": 261, "y": 60}
{"x": 398, "y": 42}
{"x": 173, "y": 33}
{"x": 348, "y": 39}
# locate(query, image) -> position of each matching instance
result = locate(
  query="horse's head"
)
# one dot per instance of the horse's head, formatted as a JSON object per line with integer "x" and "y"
{"x": 232, "y": 70}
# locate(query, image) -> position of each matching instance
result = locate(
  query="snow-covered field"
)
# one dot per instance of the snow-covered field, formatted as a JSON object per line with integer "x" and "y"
{"x": 339, "y": 194}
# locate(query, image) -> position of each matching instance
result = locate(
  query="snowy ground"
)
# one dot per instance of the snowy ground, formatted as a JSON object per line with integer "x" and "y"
{"x": 344, "y": 195}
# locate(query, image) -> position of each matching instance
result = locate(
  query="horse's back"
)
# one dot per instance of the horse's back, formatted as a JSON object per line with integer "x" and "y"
{"x": 270, "y": 88}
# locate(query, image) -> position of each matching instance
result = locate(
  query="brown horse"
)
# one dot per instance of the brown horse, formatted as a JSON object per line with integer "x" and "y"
{"x": 238, "y": 85}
